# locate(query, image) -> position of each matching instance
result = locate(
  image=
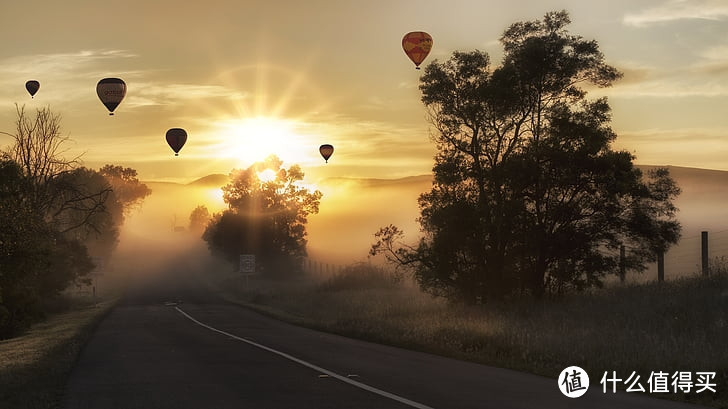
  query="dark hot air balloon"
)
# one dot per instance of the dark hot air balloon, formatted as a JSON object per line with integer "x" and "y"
{"x": 111, "y": 91}
{"x": 417, "y": 45}
{"x": 176, "y": 138}
{"x": 326, "y": 150}
{"x": 32, "y": 86}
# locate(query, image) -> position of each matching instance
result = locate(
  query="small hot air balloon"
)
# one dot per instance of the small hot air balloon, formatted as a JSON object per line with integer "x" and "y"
{"x": 326, "y": 150}
{"x": 111, "y": 91}
{"x": 176, "y": 138}
{"x": 32, "y": 86}
{"x": 417, "y": 45}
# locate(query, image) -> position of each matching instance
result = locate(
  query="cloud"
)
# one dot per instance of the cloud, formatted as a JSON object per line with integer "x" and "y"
{"x": 165, "y": 94}
{"x": 72, "y": 74}
{"x": 59, "y": 63}
{"x": 675, "y": 10}
{"x": 671, "y": 86}
{"x": 65, "y": 76}
{"x": 706, "y": 76}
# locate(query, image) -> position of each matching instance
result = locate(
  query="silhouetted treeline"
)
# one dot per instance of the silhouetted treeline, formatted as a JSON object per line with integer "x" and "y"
{"x": 54, "y": 217}
{"x": 528, "y": 196}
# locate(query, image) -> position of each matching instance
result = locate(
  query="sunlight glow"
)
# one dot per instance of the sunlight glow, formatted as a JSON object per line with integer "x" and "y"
{"x": 216, "y": 201}
{"x": 267, "y": 175}
{"x": 252, "y": 139}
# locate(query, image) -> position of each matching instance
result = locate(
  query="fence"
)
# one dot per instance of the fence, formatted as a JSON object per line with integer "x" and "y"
{"x": 320, "y": 268}
{"x": 692, "y": 254}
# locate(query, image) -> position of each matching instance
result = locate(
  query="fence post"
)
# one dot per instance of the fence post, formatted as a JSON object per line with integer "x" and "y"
{"x": 704, "y": 252}
{"x": 622, "y": 267}
{"x": 660, "y": 266}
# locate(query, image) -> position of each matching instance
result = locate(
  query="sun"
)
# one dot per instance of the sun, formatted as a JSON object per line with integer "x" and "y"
{"x": 267, "y": 175}
{"x": 251, "y": 140}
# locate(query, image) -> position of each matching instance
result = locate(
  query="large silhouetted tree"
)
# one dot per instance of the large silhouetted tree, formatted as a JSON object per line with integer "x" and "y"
{"x": 52, "y": 211}
{"x": 39, "y": 149}
{"x": 528, "y": 194}
{"x": 264, "y": 217}
{"x": 37, "y": 261}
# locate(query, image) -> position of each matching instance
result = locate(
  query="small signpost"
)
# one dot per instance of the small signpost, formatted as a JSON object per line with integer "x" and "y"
{"x": 247, "y": 266}
{"x": 96, "y": 273}
{"x": 247, "y": 263}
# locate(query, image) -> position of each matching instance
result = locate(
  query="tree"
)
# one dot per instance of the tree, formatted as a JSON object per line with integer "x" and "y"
{"x": 199, "y": 218}
{"x": 266, "y": 217}
{"x": 52, "y": 211}
{"x": 36, "y": 260}
{"x": 38, "y": 150}
{"x": 527, "y": 193}
{"x": 127, "y": 193}
{"x": 126, "y": 185}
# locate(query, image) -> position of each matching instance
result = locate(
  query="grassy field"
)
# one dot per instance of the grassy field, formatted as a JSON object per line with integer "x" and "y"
{"x": 680, "y": 325}
{"x": 34, "y": 366}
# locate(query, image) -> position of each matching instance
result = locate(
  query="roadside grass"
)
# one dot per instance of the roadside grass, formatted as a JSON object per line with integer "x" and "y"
{"x": 34, "y": 367}
{"x": 681, "y": 325}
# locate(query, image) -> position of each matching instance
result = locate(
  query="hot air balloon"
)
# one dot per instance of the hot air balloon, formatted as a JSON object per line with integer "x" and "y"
{"x": 326, "y": 150}
{"x": 32, "y": 86}
{"x": 111, "y": 91}
{"x": 417, "y": 45}
{"x": 176, "y": 138}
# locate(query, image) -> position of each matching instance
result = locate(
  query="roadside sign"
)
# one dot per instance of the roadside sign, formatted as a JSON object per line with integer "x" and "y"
{"x": 247, "y": 263}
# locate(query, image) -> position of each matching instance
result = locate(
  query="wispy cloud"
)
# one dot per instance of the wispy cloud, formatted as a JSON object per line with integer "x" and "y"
{"x": 69, "y": 74}
{"x": 59, "y": 62}
{"x": 164, "y": 94}
{"x": 705, "y": 76}
{"x": 679, "y": 10}
{"x": 73, "y": 74}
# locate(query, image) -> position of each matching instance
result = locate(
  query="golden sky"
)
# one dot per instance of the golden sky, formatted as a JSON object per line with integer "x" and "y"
{"x": 249, "y": 78}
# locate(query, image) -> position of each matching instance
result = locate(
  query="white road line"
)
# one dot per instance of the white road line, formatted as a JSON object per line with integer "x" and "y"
{"x": 312, "y": 366}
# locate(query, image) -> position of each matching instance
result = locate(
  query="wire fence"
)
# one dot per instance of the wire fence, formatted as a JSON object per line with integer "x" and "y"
{"x": 683, "y": 259}
{"x": 691, "y": 255}
{"x": 316, "y": 267}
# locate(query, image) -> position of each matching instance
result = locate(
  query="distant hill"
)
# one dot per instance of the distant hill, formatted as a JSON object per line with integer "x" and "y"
{"x": 213, "y": 180}
{"x": 372, "y": 182}
{"x": 691, "y": 180}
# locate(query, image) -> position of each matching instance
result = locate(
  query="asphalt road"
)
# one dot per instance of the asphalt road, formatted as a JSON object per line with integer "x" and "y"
{"x": 206, "y": 353}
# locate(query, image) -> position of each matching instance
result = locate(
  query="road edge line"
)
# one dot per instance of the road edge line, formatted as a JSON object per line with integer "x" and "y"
{"x": 332, "y": 374}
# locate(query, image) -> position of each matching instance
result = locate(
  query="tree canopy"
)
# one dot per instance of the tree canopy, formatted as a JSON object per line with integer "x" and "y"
{"x": 266, "y": 216}
{"x": 54, "y": 215}
{"x": 199, "y": 217}
{"x": 528, "y": 194}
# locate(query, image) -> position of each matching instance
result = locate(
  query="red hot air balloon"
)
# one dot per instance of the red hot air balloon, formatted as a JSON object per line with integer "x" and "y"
{"x": 32, "y": 86}
{"x": 326, "y": 150}
{"x": 176, "y": 138}
{"x": 417, "y": 45}
{"x": 111, "y": 91}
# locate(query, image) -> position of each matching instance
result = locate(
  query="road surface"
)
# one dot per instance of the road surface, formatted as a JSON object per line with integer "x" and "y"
{"x": 206, "y": 353}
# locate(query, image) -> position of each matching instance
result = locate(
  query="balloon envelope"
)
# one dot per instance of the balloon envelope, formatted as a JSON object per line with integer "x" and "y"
{"x": 417, "y": 45}
{"x": 176, "y": 138}
{"x": 326, "y": 150}
{"x": 111, "y": 91}
{"x": 32, "y": 86}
